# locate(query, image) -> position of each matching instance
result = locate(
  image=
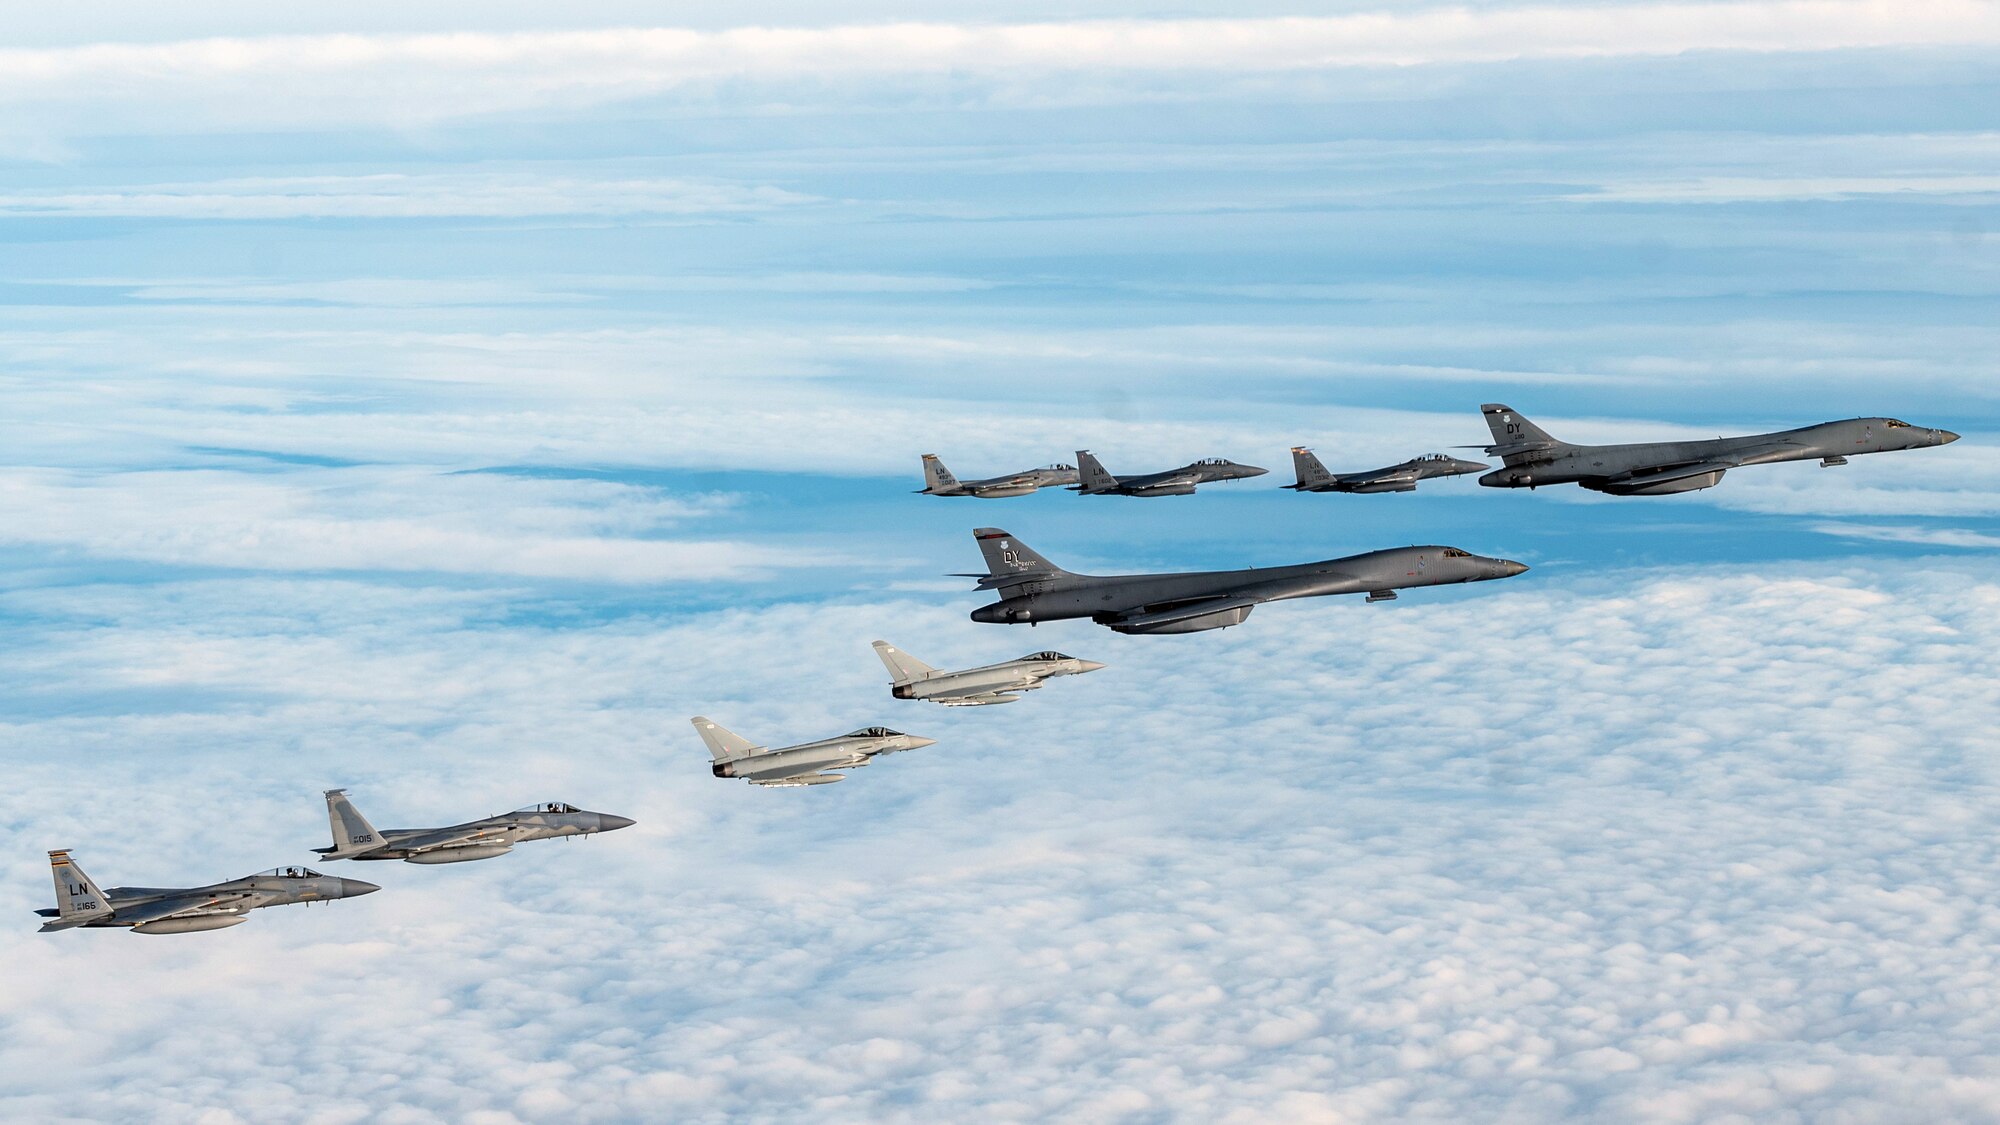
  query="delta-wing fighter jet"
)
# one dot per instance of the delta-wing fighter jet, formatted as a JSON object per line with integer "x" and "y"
{"x": 1173, "y": 482}
{"x": 184, "y": 910}
{"x": 938, "y": 481}
{"x": 1533, "y": 458}
{"x": 355, "y": 838}
{"x": 1313, "y": 477}
{"x": 975, "y": 687}
{"x": 808, "y": 763}
{"x": 1033, "y": 589}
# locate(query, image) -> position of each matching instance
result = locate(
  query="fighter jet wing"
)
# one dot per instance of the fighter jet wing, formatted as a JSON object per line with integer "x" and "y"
{"x": 188, "y": 904}
{"x": 986, "y": 689}
{"x": 798, "y": 779}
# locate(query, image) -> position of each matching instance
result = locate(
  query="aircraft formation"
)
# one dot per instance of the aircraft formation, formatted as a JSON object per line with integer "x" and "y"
{"x": 1031, "y": 590}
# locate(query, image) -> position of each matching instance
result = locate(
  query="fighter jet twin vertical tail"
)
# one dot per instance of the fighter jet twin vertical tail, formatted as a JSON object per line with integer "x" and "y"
{"x": 975, "y": 687}
{"x": 1313, "y": 477}
{"x": 184, "y": 910}
{"x": 808, "y": 763}
{"x": 1032, "y": 589}
{"x": 355, "y": 838}
{"x": 1172, "y": 482}
{"x": 1532, "y": 457}
{"x": 938, "y": 481}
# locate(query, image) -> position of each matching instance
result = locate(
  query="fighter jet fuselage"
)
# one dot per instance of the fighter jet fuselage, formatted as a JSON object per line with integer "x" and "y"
{"x": 1034, "y": 590}
{"x": 807, "y": 763}
{"x": 1532, "y": 458}
{"x": 355, "y": 838}
{"x": 939, "y": 481}
{"x": 185, "y": 910}
{"x": 1403, "y": 477}
{"x": 975, "y": 687}
{"x": 1096, "y": 481}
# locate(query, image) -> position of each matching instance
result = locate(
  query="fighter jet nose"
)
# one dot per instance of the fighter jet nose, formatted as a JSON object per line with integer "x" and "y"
{"x": 1089, "y": 665}
{"x": 1254, "y": 471}
{"x": 918, "y": 741}
{"x": 608, "y": 823}
{"x": 354, "y": 888}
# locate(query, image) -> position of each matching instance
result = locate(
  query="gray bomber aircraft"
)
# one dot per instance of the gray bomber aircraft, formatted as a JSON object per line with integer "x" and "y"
{"x": 1172, "y": 482}
{"x": 355, "y": 838}
{"x": 938, "y": 481}
{"x": 975, "y": 687}
{"x": 1313, "y": 476}
{"x": 1659, "y": 468}
{"x": 1033, "y": 589}
{"x": 807, "y": 763}
{"x": 184, "y": 910}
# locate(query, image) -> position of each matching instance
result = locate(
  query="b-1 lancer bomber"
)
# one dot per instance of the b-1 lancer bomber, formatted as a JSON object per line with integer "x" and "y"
{"x": 938, "y": 481}
{"x": 808, "y": 763}
{"x": 1659, "y": 468}
{"x": 975, "y": 687}
{"x": 1313, "y": 476}
{"x": 355, "y": 838}
{"x": 1172, "y": 482}
{"x": 1033, "y": 589}
{"x": 184, "y": 910}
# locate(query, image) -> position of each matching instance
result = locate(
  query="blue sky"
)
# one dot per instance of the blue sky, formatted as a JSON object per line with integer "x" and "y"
{"x": 447, "y": 404}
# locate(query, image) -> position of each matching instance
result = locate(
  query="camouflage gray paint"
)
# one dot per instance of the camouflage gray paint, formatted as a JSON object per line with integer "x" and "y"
{"x": 938, "y": 481}
{"x": 183, "y": 910}
{"x": 1313, "y": 477}
{"x": 1172, "y": 482}
{"x": 807, "y": 763}
{"x": 974, "y": 687}
{"x": 355, "y": 838}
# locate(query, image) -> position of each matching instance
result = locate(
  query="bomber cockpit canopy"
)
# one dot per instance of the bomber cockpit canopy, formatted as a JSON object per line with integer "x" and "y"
{"x": 550, "y": 807}
{"x": 1455, "y": 553}
{"x": 875, "y": 732}
{"x": 1896, "y": 423}
{"x": 288, "y": 873}
{"x": 1047, "y": 654}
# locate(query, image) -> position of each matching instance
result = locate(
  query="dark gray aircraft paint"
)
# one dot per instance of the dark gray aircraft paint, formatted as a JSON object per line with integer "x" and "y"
{"x": 1533, "y": 458}
{"x": 1313, "y": 477}
{"x": 355, "y": 838}
{"x": 938, "y": 481}
{"x": 185, "y": 910}
{"x": 1033, "y": 589}
{"x": 1172, "y": 482}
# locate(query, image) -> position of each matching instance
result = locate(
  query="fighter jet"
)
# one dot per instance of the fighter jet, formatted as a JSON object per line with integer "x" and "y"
{"x": 938, "y": 481}
{"x": 1659, "y": 468}
{"x": 975, "y": 687}
{"x": 807, "y": 763}
{"x": 1173, "y": 482}
{"x": 1033, "y": 589}
{"x": 164, "y": 910}
{"x": 355, "y": 838}
{"x": 1313, "y": 476}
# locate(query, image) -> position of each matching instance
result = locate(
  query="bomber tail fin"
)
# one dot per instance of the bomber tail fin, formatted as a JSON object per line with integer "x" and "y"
{"x": 1514, "y": 436}
{"x": 902, "y": 666}
{"x": 352, "y": 834}
{"x": 937, "y": 478}
{"x": 78, "y": 901}
{"x": 1091, "y": 474}
{"x": 1008, "y": 560}
{"x": 723, "y": 745}
{"x": 1308, "y": 469}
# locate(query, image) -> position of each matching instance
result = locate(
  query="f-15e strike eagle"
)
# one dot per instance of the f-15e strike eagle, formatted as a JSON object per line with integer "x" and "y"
{"x": 1033, "y": 589}
{"x": 1532, "y": 458}
{"x": 1172, "y": 482}
{"x": 1313, "y": 477}
{"x": 184, "y": 910}
{"x": 808, "y": 763}
{"x": 938, "y": 481}
{"x": 975, "y": 687}
{"x": 355, "y": 838}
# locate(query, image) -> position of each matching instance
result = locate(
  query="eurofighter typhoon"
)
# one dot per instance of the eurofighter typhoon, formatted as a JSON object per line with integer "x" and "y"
{"x": 938, "y": 481}
{"x": 1171, "y": 482}
{"x": 1033, "y": 589}
{"x": 1313, "y": 477}
{"x": 185, "y": 910}
{"x": 975, "y": 687}
{"x": 355, "y": 838}
{"x": 1659, "y": 468}
{"x": 808, "y": 763}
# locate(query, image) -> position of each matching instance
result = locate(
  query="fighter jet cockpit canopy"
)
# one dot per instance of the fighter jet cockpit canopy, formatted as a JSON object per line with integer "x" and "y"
{"x": 549, "y": 807}
{"x": 875, "y": 732}
{"x": 1213, "y": 461}
{"x": 1455, "y": 553}
{"x": 1047, "y": 654}
{"x": 288, "y": 873}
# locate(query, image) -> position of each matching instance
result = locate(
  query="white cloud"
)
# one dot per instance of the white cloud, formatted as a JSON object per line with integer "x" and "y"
{"x": 1926, "y": 536}
{"x": 1737, "y": 189}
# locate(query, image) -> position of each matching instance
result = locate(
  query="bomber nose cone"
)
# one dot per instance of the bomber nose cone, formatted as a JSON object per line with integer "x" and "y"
{"x": 1946, "y": 437}
{"x": 352, "y": 888}
{"x": 1509, "y": 568}
{"x": 609, "y": 823}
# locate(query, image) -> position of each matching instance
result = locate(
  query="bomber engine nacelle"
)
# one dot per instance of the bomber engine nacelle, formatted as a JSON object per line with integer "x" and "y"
{"x": 1666, "y": 488}
{"x": 1221, "y": 619}
{"x": 193, "y": 924}
{"x": 464, "y": 854}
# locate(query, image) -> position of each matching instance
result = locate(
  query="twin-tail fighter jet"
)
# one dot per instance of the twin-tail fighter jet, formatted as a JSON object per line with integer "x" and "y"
{"x": 355, "y": 838}
{"x": 1533, "y": 458}
{"x": 975, "y": 687}
{"x": 1033, "y": 589}
{"x": 938, "y": 481}
{"x": 185, "y": 910}
{"x": 1313, "y": 477}
{"x": 1172, "y": 482}
{"x": 808, "y": 763}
